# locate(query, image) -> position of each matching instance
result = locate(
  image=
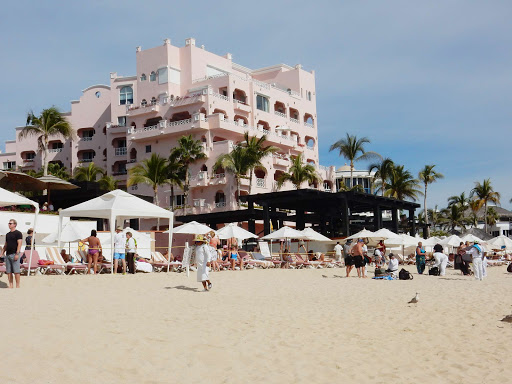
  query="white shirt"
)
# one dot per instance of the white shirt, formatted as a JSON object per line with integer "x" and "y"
{"x": 131, "y": 245}
{"x": 474, "y": 252}
{"x": 393, "y": 264}
{"x": 119, "y": 243}
{"x": 337, "y": 249}
{"x": 365, "y": 249}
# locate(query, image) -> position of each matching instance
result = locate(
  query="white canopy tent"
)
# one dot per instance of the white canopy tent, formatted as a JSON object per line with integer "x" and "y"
{"x": 8, "y": 198}
{"x": 118, "y": 205}
{"x": 191, "y": 228}
{"x": 233, "y": 230}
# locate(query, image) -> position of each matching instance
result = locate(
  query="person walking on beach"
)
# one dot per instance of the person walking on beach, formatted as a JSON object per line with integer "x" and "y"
{"x": 337, "y": 251}
{"x": 349, "y": 260}
{"x": 420, "y": 258}
{"x": 202, "y": 254}
{"x": 12, "y": 253}
{"x": 357, "y": 253}
{"x": 94, "y": 251}
{"x": 477, "y": 256}
{"x": 119, "y": 249}
{"x": 131, "y": 250}
{"x": 441, "y": 259}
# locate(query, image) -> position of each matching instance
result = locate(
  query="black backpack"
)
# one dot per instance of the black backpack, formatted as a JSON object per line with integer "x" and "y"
{"x": 434, "y": 271}
{"x": 404, "y": 275}
{"x": 509, "y": 268}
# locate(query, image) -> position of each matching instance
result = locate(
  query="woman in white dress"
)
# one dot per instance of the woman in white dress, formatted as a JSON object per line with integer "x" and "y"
{"x": 203, "y": 256}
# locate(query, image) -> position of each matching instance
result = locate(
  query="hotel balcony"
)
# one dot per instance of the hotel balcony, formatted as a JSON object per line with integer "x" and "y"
{"x": 133, "y": 110}
{"x": 240, "y": 105}
{"x": 281, "y": 160}
{"x": 199, "y": 180}
{"x": 115, "y": 129}
{"x": 218, "y": 179}
{"x": 122, "y": 151}
{"x": 164, "y": 127}
{"x": 197, "y": 98}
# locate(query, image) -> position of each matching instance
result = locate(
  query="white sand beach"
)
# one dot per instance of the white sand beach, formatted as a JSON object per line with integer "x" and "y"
{"x": 272, "y": 326}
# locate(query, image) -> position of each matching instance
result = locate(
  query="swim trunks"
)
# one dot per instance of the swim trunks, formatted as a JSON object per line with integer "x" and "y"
{"x": 119, "y": 256}
{"x": 358, "y": 261}
{"x": 349, "y": 260}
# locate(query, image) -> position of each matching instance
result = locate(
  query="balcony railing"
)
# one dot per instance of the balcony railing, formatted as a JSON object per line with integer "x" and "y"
{"x": 55, "y": 150}
{"x": 121, "y": 151}
{"x": 260, "y": 183}
{"x": 179, "y": 122}
{"x": 86, "y": 138}
{"x": 219, "y": 96}
{"x": 220, "y": 204}
{"x": 296, "y": 121}
{"x": 281, "y": 114}
{"x": 310, "y": 125}
{"x": 119, "y": 173}
{"x": 219, "y": 175}
{"x": 86, "y": 160}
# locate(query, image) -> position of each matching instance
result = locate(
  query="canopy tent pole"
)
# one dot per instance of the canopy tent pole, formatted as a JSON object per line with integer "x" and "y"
{"x": 32, "y": 242}
{"x": 59, "y": 230}
{"x": 171, "y": 224}
{"x": 112, "y": 223}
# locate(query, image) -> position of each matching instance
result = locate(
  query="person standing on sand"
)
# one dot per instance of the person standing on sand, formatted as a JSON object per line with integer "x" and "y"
{"x": 131, "y": 250}
{"x": 349, "y": 260}
{"x": 12, "y": 252}
{"x": 119, "y": 249}
{"x": 337, "y": 251}
{"x": 203, "y": 255}
{"x": 477, "y": 256}
{"x": 441, "y": 259}
{"x": 420, "y": 258}
{"x": 357, "y": 253}
{"x": 94, "y": 251}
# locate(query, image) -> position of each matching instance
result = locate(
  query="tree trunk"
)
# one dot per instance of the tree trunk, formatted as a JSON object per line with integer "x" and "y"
{"x": 172, "y": 197}
{"x": 351, "y": 174}
{"x": 155, "y": 189}
{"x": 485, "y": 216}
{"x": 250, "y": 180}
{"x": 425, "y": 211}
{"x": 185, "y": 192}
{"x": 238, "y": 190}
{"x": 45, "y": 157}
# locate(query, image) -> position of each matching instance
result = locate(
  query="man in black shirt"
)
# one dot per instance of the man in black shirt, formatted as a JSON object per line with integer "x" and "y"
{"x": 11, "y": 250}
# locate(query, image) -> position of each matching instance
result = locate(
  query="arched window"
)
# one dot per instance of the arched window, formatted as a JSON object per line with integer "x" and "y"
{"x": 152, "y": 76}
{"x": 126, "y": 95}
{"x": 143, "y": 103}
{"x": 153, "y": 100}
{"x": 143, "y": 77}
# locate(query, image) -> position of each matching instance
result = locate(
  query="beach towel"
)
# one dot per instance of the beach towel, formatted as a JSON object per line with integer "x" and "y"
{"x": 383, "y": 278}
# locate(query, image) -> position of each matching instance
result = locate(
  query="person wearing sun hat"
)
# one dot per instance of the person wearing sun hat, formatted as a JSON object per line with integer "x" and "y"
{"x": 203, "y": 256}
{"x": 477, "y": 256}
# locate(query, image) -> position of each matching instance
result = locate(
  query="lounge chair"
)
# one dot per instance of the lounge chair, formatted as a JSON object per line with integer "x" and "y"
{"x": 34, "y": 266}
{"x": 259, "y": 260}
{"x": 83, "y": 256}
{"x": 160, "y": 263}
{"x": 53, "y": 254}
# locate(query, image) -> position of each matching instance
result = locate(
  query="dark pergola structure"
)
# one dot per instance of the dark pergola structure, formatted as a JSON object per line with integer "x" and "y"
{"x": 330, "y": 213}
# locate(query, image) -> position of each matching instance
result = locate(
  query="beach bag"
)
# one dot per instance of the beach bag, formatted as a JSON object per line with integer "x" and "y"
{"x": 434, "y": 271}
{"x": 404, "y": 275}
{"x": 45, "y": 262}
{"x": 466, "y": 257}
{"x": 509, "y": 268}
{"x": 379, "y": 272}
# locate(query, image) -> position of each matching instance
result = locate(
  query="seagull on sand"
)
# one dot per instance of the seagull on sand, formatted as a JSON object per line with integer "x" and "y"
{"x": 325, "y": 276}
{"x": 415, "y": 299}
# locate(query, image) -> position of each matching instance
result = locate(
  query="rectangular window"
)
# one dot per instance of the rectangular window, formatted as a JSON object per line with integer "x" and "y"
{"x": 174, "y": 76}
{"x": 88, "y": 133}
{"x": 148, "y": 148}
{"x": 30, "y": 156}
{"x": 262, "y": 103}
{"x": 121, "y": 121}
{"x": 163, "y": 75}
{"x": 9, "y": 165}
{"x": 179, "y": 200}
{"x": 88, "y": 156}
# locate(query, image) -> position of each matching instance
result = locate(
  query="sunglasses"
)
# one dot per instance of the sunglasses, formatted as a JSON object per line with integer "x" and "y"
{"x": 11, "y": 223}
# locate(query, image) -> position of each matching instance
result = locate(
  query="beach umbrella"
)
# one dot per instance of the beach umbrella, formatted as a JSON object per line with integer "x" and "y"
{"x": 500, "y": 242}
{"x": 365, "y": 234}
{"x": 192, "y": 228}
{"x": 431, "y": 241}
{"x": 386, "y": 233}
{"x": 471, "y": 238}
{"x": 233, "y": 230}
{"x": 453, "y": 241}
{"x": 314, "y": 235}
{"x": 55, "y": 183}
{"x": 285, "y": 233}
{"x": 19, "y": 181}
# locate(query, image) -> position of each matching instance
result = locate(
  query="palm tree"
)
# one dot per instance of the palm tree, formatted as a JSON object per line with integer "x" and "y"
{"x": 473, "y": 216}
{"x": 57, "y": 170}
{"x": 434, "y": 216}
{"x": 175, "y": 175}
{"x": 238, "y": 162}
{"x": 460, "y": 200}
{"x": 428, "y": 176}
{"x": 492, "y": 216}
{"x": 49, "y": 123}
{"x": 89, "y": 173}
{"x": 298, "y": 173}
{"x": 187, "y": 153}
{"x": 383, "y": 172}
{"x": 485, "y": 193}
{"x": 402, "y": 184}
{"x": 352, "y": 148}
{"x": 107, "y": 183}
{"x": 453, "y": 216}
{"x": 152, "y": 171}
{"x": 256, "y": 152}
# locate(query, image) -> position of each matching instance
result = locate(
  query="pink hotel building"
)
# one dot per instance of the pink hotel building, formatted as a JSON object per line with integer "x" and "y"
{"x": 187, "y": 90}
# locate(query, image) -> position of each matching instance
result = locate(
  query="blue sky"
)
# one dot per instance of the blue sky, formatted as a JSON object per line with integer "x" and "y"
{"x": 426, "y": 82}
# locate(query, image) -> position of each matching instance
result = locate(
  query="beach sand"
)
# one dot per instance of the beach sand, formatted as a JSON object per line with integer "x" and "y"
{"x": 272, "y": 326}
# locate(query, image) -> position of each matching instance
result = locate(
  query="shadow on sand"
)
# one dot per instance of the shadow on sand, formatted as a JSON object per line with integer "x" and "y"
{"x": 3, "y": 285}
{"x": 183, "y": 288}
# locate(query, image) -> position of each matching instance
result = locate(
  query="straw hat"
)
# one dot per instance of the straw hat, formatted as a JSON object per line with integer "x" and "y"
{"x": 199, "y": 238}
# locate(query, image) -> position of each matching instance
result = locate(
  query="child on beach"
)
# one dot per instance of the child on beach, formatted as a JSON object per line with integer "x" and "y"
{"x": 233, "y": 256}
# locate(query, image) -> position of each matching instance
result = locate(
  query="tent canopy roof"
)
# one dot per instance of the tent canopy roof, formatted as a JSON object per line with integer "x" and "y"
{"x": 9, "y": 198}
{"x": 119, "y": 204}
